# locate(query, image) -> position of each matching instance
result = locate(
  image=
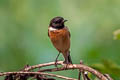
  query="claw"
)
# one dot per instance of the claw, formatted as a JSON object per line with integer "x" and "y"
{"x": 55, "y": 63}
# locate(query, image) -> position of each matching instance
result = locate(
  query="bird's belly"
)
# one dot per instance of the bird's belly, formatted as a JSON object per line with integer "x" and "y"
{"x": 61, "y": 41}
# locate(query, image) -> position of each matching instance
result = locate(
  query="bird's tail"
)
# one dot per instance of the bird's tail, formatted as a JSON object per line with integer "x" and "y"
{"x": 68, "y": 59}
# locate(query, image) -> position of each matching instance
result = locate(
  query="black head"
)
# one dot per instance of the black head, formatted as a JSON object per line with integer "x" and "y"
{"x": 57, "y": 22}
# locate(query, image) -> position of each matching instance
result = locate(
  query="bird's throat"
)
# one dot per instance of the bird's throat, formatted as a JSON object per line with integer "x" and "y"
{"x": 52, "y": 29}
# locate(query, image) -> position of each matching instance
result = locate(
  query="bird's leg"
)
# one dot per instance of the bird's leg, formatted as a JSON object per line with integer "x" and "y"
{"x": 56, "y": 59}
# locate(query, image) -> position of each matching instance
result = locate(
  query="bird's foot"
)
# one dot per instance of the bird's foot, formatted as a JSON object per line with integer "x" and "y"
{"x": 55, "y": 63}
{"x": 66, "y": 64}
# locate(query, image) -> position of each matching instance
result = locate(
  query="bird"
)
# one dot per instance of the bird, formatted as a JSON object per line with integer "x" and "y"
{"x": 60, "y": 37}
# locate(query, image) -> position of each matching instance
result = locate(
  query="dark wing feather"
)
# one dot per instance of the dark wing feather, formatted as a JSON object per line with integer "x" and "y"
{"x": 69, "y": 34}
{"x": 48, "y": 33}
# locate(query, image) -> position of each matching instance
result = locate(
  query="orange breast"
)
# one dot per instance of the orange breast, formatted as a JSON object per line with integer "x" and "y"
{"x": 60, "y": 39}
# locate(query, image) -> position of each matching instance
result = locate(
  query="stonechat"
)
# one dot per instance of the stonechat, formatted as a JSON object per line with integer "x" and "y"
{"x": 60, "y": 38}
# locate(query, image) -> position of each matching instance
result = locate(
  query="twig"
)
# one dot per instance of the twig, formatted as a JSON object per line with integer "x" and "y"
{"x": 79, "y": 75}
{"x": 42, "y": 65}
{"x": 37, "y": 73}
{"x": 86, "y": 75}
{"x": 84, "y": 78}
{"x": 108, "y": 77}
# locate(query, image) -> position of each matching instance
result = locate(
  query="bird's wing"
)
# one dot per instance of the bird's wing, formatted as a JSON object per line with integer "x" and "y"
{"x": 68, "y": 31}
{"x": 48, "y": 33}
{"x": 69, "y": 34}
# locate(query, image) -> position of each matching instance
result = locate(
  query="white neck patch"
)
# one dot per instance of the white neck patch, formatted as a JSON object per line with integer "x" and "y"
{"x": 52, "y": 29}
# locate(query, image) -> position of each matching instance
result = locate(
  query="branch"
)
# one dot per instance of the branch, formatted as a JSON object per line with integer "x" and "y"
{"x": 36, "y": 73}
{"x": 81, "y": 67}
{"x": 42, "y": 65}
{"x": 72, "y": 66}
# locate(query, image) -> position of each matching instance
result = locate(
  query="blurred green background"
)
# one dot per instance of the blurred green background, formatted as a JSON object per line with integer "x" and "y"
{"x": 24, "y": 39}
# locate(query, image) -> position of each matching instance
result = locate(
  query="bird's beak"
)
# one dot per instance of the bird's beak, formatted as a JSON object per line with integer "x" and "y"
{"x": 65, "y": 20}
